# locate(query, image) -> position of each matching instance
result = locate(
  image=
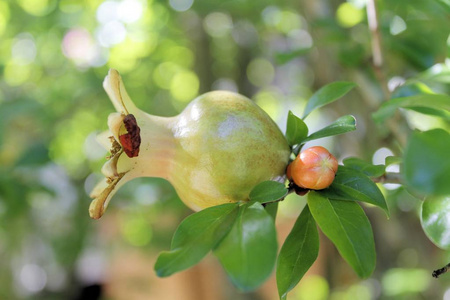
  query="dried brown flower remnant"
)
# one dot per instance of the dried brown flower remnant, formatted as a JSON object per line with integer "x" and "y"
{"x": 132, "y": 139}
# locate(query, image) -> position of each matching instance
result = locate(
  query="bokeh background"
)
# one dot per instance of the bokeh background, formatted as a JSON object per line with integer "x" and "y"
{"x": 53, "y": 58}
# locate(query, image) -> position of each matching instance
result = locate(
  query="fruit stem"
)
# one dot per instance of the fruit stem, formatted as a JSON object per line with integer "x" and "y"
{"x": 296, "y": 149}
{"x": 292, "y": 188}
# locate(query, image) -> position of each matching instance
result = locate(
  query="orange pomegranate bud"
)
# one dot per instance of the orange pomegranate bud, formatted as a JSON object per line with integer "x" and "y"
{"x": 314, "y": 168}
{"x": 289, "y": 171}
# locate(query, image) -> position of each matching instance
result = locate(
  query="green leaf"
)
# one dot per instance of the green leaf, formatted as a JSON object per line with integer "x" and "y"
{"x": 195, "y": 237}
{"x": 346, "y": 225}
{"x": 272, "y": 209}
{"x": 298, "y": 253}
{"x": 327, "y": 94}
{"x": 426, "y": 163}
{"x": 283, "y": 58}
{"x": 342, "y": 125}
{"x": 432, "y": 102}
{"x": 438, "y": 72}
{"x": 411, "y": 89}
{"x": 392, "y": 160}
{"x": 350, "y": 184}
{"x": 249, "y": 251}
{"x": 365, "y": 167}
{"x": 296, "y": 129}
{"x": 268, "y": 191}
{"x": 435, "y": 220}
{"x": 444, "y": 114}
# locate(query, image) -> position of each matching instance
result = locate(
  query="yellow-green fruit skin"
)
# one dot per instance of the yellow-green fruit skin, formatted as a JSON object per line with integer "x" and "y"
{"x": 225, "y": 145}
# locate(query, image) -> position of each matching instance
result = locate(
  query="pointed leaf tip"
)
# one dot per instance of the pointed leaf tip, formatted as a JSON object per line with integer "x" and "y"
{"x": 347, "y": 226}
{"x": 298, "y": 253}
{"x": 327, "y": 94}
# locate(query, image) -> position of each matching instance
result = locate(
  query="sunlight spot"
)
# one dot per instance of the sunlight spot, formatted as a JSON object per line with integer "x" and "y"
{"x": 23, "y": 50}
{"x": 397, "y": 25}
{"x": 35, "y": 7}
{"x": 108, "y": 12}
{"x": 130, "y": 11}
{"x": 395, "y": 82}
{"x": 16, "y": 74}
{"x": 147, "y": 194}
{"x": 288, "y": 21}
{"x": 225, "y": 84}
{"x": 398, "y": 281}
{"x": 164, "y": 73}
{"x": 447, "y": 294}
{"x": 300, "y": 39}
{"x": 245, "y": 34}
{"x": 260, "y": 72}
{"x": 111, "y": 33}
{"x": 358, "y": 3}
{"x": 380, "y": 155}
{"x": 33, "y": 278}
{"x": 217, "y": 24}
{"x": 92, "y": 149}
{"x": 313, "y": 287}
{"x": 136, "y": 231}
{"x": 271, "y": 15}
{"x": 90, "y": 267}
{"x": 348, "y": 15}
{"x": 267, "y": 99}
{"x": 4, "y": 16}
{"x": 181, "y": 5}
{"x": 184, "y": 86}
{"x": 80, "y": 47}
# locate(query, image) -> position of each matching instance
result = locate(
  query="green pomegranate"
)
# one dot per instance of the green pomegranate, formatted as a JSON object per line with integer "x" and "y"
{"x": 214, "y": 152}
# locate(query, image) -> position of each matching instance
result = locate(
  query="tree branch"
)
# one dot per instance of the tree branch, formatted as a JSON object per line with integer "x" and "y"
{"x": 378, "y": 67}
{"x": 377, "y": 53}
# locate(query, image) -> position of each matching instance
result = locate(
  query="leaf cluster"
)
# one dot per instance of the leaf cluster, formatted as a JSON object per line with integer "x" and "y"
{"x": 243, "y": 236}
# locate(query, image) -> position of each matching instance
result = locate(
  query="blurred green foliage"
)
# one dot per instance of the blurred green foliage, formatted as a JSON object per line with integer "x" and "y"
{"x": 55, "y": 54}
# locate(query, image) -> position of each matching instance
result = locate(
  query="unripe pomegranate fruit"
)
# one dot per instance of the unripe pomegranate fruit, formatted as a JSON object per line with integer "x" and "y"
{"x": 314, "y": 168}
{"x": 214, "y": 152}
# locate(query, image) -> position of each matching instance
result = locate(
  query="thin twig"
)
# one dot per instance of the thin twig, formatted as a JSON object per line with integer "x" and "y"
{"x": 438, "y": 272}
{"x": 377, "y": 53}
{"x": 378, "y": 67}
{"x": 389, "y": 178}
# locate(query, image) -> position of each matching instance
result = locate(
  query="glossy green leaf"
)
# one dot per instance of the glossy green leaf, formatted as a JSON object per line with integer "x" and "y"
{"x": 432, "y": 102}
{"x": 342, "y": 125}
{"x": 296, "y": 129}
{"x": 268, "y": 191}
{"x": 437, "y": 73}
{"x": 327, "y": 94}
{"x": 195, "y": 237}
{"x": 426, "y": 163}
{"x": 299, "y": 252}
{"x": 354, "y": 185}
{"x": 272, "y": 209}
{"x": 346, "y": 225}
{"x": 435, "y": 220}
{"x": 365, "y": 167}
{"x": 248, "y": 252}
{"x": 411, "y": 89}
